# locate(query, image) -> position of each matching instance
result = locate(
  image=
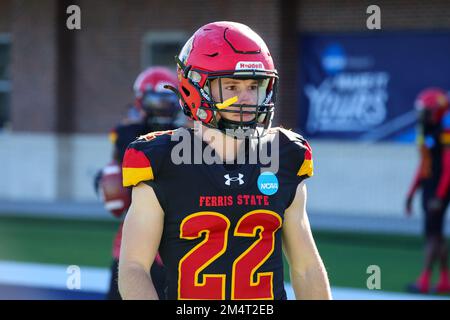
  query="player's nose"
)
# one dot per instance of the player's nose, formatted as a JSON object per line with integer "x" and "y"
{"x": 247, "y": 97}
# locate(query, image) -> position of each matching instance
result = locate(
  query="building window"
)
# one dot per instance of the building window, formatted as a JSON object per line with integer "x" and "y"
{"x": 160, "y": 48}
{"x": 5, "y": 79}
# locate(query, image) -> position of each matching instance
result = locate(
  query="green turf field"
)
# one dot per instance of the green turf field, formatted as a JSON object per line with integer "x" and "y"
{"x": 346, "y": 255}
{"x": 57, "y": 241}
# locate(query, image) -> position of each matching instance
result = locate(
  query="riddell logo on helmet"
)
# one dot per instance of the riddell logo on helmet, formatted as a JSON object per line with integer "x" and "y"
{"x": 249, "y": 65}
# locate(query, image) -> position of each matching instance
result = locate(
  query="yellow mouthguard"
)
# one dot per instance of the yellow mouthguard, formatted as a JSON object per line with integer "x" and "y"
{"x": 227, "y": 102}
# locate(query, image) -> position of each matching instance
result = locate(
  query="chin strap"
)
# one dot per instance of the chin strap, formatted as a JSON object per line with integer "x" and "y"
{"x": 239, "y": 130}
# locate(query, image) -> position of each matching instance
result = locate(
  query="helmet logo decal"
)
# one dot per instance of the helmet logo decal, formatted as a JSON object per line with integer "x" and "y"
{"x": 249, "y": 65}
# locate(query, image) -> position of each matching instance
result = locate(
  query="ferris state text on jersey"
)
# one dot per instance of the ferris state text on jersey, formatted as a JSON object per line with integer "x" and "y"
{"x": 222, "y": 228}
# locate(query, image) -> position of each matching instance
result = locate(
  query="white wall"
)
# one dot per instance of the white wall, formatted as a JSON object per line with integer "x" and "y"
{"x": 43, "y": 167}
{"x": 360, "y": 179}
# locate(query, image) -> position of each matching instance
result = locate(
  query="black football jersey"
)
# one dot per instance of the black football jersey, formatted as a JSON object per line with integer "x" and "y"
{"x": 126, "y": 133}
{"x": 222, "y": 223}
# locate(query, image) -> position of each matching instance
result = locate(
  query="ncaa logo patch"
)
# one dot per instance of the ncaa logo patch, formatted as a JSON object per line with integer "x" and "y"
{"x": 267, "y": 183}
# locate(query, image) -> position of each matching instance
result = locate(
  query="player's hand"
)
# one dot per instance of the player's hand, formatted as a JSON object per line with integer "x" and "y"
{"x": 434, "y": 205}
{"x": 408, "y": 206}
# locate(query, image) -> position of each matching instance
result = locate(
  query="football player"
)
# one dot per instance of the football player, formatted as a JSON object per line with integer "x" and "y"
{"x": 158, "y": 109}
{"x": 154, "y": 109}
{"x": 433, "y": 177}
{"x": 221, "y": 227}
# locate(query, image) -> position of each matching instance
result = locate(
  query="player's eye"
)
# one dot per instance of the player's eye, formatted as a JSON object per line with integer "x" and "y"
{"x": 230, "y": 87}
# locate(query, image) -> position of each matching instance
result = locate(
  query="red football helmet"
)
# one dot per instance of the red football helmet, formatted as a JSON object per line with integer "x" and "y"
{"x": 116, "y": 198}
{"x": 226, "y": 50}
{"x": 159, "y": 104}
{"x": 432, "y": 103}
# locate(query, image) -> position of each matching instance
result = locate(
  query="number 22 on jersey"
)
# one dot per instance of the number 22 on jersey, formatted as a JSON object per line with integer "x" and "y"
{"x": 216, "y": 226}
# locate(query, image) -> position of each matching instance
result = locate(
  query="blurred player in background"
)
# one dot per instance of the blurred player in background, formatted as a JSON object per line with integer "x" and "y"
{"x": 221, "y": 227}
{"x": 155, "y": 109}
{"x": 433, "y": 177}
